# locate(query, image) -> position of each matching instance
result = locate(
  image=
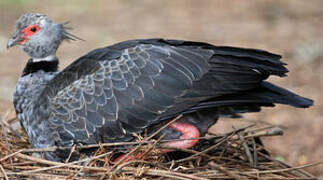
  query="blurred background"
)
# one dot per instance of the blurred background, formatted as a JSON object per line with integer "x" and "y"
{"x": 292, "y": 28}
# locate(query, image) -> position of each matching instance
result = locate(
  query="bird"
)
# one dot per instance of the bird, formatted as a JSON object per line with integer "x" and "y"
{"x": 136, "y": 86}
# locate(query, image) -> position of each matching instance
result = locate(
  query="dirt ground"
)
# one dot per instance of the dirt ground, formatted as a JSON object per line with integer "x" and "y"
{"x": 292, "y": 28}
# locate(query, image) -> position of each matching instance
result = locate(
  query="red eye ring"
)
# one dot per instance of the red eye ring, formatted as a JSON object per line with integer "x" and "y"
{"x": 29, "y": 31}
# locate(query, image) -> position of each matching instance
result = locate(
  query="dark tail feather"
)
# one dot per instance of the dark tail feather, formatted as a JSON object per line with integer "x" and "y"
{"x": 261, "y": 60}
{"x": 274, "y": 94}
{"x": 206, "y": 113}
{"x": 251, "y": 100}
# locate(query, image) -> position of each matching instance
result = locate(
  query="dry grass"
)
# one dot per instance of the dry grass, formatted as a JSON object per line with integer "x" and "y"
{"x": 235, "y": 155}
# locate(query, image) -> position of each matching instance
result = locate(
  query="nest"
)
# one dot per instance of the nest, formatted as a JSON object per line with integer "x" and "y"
{"x": 238, "y": 154}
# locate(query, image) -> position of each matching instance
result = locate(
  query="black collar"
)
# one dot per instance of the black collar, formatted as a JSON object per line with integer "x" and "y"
{"x": 47, "y": 66}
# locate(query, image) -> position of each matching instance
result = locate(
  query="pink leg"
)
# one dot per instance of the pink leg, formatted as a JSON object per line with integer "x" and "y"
{"x": 188, "y": 132}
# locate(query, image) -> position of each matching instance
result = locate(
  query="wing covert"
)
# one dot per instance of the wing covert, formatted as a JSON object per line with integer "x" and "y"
{"x": 125, "y": 94}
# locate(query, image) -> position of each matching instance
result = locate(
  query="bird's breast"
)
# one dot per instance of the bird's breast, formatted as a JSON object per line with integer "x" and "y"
{"x": 28, "y": 91}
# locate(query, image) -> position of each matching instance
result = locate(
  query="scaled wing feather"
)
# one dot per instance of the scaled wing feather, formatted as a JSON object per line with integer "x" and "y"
{"x": 125, "y": 94}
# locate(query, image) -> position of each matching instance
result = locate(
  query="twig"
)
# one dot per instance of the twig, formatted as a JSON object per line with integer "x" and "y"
{"x": 127, "y": 164}
{"x": 285, "y": 169}
{"x": 163, "y": 127}
{"x": 202, "y": 154}
{"x": 146, "y": 139}
{"x": 220, "y": 168}
{"x": 257, "y": 129}
{"x": 236, "y": 131}
{"x": 55, "y": 148}
{"x": 246, "y": 148}
{"x": 6, "y": 123}
{"x": 153, "y": 146}
{"x": 12, "y": 119}
{"x": 286, "y": 165}
{"x": 80, "y": 170}
{"x": 204, "y": 151}
{"x": 4, "y": 172}
{"x": 221, "y": 157}
{"x": 140, "y": 144}
{"x": 162, "y": 173}
{"x": 41, "y": 175}
{"x": 142, "y": 155}
{"x": 255, "y": 156}
{"x": 275, "y": 131}
{"x": 70, "y": 154}
{"x": 222, "y": 140}
{"x": 5, "y": 137}
{"x": 58, "y": 164}
{"x": 10, "y": 155}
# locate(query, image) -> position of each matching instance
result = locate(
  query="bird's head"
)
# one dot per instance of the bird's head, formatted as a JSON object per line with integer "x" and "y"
{"x": 38, "y": 35}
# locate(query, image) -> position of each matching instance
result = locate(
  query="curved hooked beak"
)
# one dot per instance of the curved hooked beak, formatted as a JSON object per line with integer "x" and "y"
{"x": 17, "y": 38}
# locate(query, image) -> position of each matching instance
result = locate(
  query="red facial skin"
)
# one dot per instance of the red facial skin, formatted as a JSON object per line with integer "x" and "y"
{"x": 29, "y": 31}
{"x": 188, "y": 132}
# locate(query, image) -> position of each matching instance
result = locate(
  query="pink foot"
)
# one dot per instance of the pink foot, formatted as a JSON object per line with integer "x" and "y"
{"x": 188, "y": 132}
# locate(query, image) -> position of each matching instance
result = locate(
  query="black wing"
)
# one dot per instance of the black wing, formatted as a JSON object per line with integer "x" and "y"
{"x": 121, "y": 91}
{"x": 112, "y": 92}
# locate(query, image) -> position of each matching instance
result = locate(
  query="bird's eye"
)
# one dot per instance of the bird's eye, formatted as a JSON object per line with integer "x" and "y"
{"x": 33, "y": 29}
